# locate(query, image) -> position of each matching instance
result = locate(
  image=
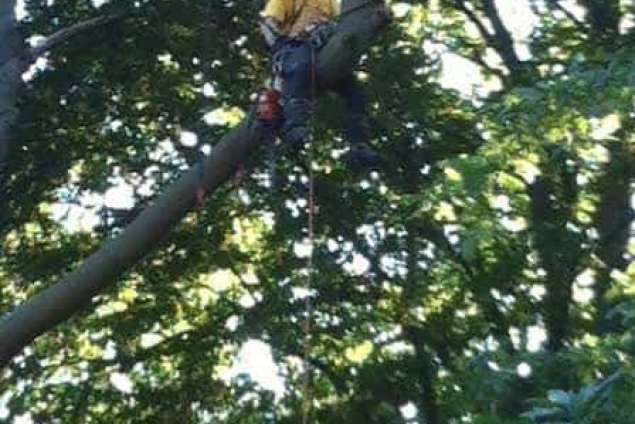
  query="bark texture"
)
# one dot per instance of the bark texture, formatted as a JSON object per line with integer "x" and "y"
{"x": 604, "y": 18}
{"x": 103, "y": 268}
{"x": 12, "y": 65}
{"x": 613, "y": 220}
{"x": 550, "y": 233}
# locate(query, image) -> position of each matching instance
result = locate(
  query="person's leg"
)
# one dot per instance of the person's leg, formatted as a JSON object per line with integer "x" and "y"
{"x": 356, "y": 129}
{"x": 355, "y": 102}
{"x": 294, "y": 61}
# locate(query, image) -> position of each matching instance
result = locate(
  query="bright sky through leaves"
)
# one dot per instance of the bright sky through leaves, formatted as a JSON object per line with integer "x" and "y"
{"x": 482, "y": 271}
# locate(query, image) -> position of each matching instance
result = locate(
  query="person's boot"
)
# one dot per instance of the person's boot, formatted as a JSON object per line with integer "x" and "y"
{"x": 361, "y": 156}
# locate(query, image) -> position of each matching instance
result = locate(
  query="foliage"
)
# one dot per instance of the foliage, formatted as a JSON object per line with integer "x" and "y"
{"x": 483, "y": 275}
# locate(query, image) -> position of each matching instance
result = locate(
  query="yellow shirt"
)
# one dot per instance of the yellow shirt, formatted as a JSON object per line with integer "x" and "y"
{"x": 295, "y": 16}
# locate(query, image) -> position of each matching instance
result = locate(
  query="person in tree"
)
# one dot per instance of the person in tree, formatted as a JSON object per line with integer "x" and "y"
{"x": 294, "y": 30}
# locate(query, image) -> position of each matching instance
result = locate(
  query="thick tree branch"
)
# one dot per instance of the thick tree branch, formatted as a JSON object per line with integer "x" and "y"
{"x": 613, "y": 221}
{"x": 604, "y": 18}
{"x": 8, "y": 31}
{"x": 12, "y": 51}
{"x": 504, "y": 43}
{"x": 104, "y": 267}
{"x": 471, "y": 15}
{"x": 500, "y": 40}
{"x": 549, "y": 226}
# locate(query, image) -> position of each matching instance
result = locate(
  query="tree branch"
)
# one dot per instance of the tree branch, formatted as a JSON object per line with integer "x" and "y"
{"x": 12, "y": 65}
{"x": 504, "y": 43}
{"x": 487, "y": 36}
{"x": 478, "y": 60}
{"x": 555, "y": 5}
{"x": 103, "y": 268}
{"x": 501, "y": 40}
{"x": 613, "y": 221}
{"x": 604, "y": 17}
{"x": 552, "y": 197}
{"x": 66, "y": 34}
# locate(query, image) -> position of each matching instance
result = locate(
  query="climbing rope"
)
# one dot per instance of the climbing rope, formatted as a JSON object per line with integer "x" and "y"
{"x": 308, "y": 305}
{"x": 308, "y": 396}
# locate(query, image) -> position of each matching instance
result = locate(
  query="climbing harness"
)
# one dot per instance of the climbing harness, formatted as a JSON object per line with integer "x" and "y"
{"x": 318, "y": 35}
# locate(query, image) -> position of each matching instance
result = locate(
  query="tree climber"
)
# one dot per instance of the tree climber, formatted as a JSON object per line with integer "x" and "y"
{"x": 294, "y": 30}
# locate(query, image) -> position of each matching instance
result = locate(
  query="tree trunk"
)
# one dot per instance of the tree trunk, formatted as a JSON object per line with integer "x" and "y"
{"x": 613, "y": 221}
{"x": 12, "y": 65}
{"x": 559, "y": 251}
{"x": 104, "y": 267}
{"x": 603, "y": 17}
{"x": 426, "y": 401}
{"x": 424, "y": 366}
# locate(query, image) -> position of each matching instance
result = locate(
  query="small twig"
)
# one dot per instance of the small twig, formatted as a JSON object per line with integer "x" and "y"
{"x": 471, "y": 15}
{"x": 67, "y": 33}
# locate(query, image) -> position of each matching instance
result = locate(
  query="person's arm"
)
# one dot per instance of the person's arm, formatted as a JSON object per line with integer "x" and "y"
{"x": 276, "y": 10}
{"x": 273, "y": 15}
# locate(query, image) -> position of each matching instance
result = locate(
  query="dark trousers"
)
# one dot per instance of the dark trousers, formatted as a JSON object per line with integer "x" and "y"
{"x": 293, "y": 58}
